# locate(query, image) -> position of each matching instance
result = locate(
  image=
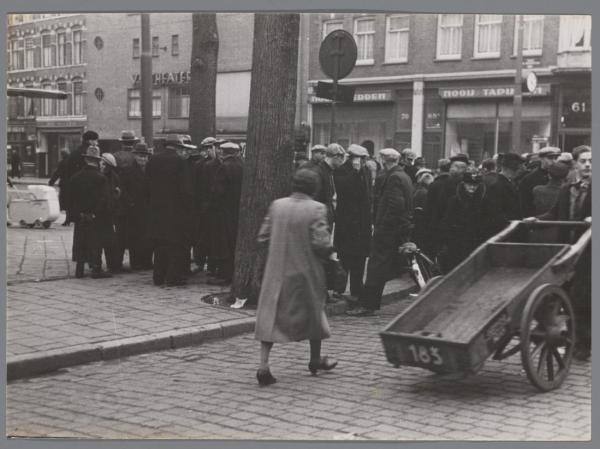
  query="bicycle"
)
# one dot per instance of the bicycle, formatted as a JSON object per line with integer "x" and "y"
{"x": 420, "y": 267}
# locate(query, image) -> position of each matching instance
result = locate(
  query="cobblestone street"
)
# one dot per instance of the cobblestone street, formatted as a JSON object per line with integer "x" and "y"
{"x": 210, "y": 391}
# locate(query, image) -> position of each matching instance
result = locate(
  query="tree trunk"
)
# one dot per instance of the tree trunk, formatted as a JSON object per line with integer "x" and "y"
{"x": 203, "y": 86}
{"x": 270, "y": 143}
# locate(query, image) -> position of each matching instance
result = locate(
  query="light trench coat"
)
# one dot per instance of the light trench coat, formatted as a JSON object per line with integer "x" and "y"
{"x": 291, "y": 304}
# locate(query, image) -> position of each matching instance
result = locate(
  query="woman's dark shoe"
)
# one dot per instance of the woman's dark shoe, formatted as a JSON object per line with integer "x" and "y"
{"x": 323, "y": 364}
{"x": 265, "y": 377}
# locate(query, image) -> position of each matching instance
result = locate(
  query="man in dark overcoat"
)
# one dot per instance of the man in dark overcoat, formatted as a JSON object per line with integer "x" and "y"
{"x": 352, "y": 239}
{"x": 211, "y": 225}
{"x": 537, "y": 177}
{"x": 575, "y": 203}
{"x": 60, "y": 175}
{"x": 16, "y": 164}
{"x": 169, "y": 194}
{"x": 501, "y": 203}
{"x": 334, "y": 157}
{"x": 392, "y": 219}
{"x": 89, "y": 200}
{"x": 226, "y": 192}
{"x": 108, "y": 167}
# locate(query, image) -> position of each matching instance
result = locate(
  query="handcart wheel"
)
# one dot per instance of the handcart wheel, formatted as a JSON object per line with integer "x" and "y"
{"x": 547, "y": 336}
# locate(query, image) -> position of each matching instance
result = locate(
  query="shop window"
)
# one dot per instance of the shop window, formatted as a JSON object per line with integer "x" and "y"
{"x": 77, "y": 46}
{"x": 48, "y": 104}
{"x": 533, "y": 34}
{"x": 155, "y": 47}
{"x": 449, "y": 37}
{"x": 136, "y": 47}
{"x": 78, "y": 97}
{"x": 396, "y": 38}
{"x": 179, "y": 102}
{"x": 332, "y": 25}
{"x": 575, "y": 32}
{"x": 488, "y": 34}
{"x": 175, "y": 45}
{"x": 364, "y": 31}
{"x": 48, "y": 49}
{"x": 134, "y": 103}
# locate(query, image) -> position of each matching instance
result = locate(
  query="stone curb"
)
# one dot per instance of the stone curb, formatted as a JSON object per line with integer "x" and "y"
{"x": 44, "y": 362}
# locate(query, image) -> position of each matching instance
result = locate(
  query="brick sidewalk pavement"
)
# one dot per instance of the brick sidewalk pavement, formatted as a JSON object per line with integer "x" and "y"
{"x": 210, "y": 391}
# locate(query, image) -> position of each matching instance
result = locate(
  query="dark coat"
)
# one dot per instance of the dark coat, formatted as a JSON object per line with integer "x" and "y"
{"x": 169, "y": 195}
{"x": 89, "y": 201}
{"x": 60, "y": 175}
{"x": 393, "y": 201}
{"x": 134, "y": 202}
{"x": 74, "y": 164}
{"x": 353, "y": 212}
{"x": 326, "y": 189}
{"x": 536, "y": 178}
{"x": 501, "y": 205}
{"x": 419, "y": 232}
{"x": 411, "y": 171}
{"x": 544, "y": 197}
{"x": 438, "y": 195}
{"x": 224, "y": 204}
{"x": 201, "y": 181}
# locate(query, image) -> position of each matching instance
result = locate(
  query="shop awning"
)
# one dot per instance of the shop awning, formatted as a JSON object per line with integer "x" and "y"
{"x": 31, "y": 92}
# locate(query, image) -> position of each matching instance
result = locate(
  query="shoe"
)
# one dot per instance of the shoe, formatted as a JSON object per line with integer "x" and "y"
{"x": 323, "y": 364}
{"x": 361, "y": 311}
{"x": 265, "y": 377}
{"x": 176, "y": 283}
{"x": 100, "y": 274}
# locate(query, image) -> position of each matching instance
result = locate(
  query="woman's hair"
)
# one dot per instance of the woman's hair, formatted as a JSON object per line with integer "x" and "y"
{"x": 305, "y": 181}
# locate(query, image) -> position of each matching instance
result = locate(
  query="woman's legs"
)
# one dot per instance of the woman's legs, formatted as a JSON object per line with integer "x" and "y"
{"x": 315, "y": 351}
{"x": 265, "y": 350}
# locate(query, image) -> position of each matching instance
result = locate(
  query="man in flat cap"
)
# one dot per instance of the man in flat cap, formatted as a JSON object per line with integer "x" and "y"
{"x": 89, "y": 206}
{"x": 169, "y": 194}
{"x": 352, "y": 238}
{"x": 317, "y": 154}
{"x": 226, "y": 191}
{"x": 537, "y": 177}
{"x": 407, "y": 159}
{"x": 334, "y": 157}
{"x": 392, "y": 219}
{"x": 501, "y": 203}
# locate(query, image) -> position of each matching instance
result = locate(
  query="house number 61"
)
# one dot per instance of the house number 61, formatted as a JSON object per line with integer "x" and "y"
{"x": 424, "y": 355}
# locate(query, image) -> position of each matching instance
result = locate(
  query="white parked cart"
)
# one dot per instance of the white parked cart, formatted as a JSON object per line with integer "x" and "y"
{"x": 38, "y": 205}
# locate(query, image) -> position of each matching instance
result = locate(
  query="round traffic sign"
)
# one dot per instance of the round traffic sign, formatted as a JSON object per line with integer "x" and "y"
{"x": 337, "y": 54}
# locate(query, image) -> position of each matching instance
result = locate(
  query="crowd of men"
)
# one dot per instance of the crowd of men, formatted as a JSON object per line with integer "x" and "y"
{"x": 174, "y": 212}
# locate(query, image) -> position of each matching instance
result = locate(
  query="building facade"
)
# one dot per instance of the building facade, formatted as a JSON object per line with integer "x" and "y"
{"x": 444, "y": 83}
{"x": 46, "y": 51}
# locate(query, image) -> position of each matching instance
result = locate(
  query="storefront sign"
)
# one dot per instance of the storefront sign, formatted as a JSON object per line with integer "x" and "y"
{"x": 360, "y": 97}
{"x": 16, "y": 129}
{"x": 489, "y": 92}
{"x": 161, "y": 79}
{"x": 58, "y": 124}
{"x": 577, "y": 108}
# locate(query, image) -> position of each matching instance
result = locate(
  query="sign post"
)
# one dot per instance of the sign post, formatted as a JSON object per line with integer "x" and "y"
{"x": 518, "y": 95}
{"x": 337, "y": 57}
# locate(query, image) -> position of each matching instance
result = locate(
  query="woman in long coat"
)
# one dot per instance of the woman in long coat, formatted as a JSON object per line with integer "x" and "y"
{"x": 291, "y": 304}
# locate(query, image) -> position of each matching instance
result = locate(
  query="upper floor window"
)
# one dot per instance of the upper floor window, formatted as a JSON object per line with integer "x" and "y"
{"x": 77, "y": 47}
{"x": 64, "y": 107}
{"x": 48, "y": 104}
{"x": 175, "y": 45}
{"x": 364, "y": 31}
{"x": 332, "y": 25}
{"x": 396, "y": 38}
{"x": 154, "y": 45}
{"x": 29, "y": 53}
{"x": 488, "y": 35}
{"x": 136, "y": 47}
{"x": 64, "y": 48}
{"x": 533, "y": 34}
{"x": 17, "y": 54}
{"x": 179, "y": 102}
{"x": 78, "y": 97}
{"x": 449, "y": 36}
{"x": 48, "y": 49}
{"x": 575, "y": 32}
{"x": 134, "y": 104}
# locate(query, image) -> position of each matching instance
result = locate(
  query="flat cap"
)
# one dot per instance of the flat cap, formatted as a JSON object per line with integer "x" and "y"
{"x": 333, "y": 149}
{"x": 409, "y": 153}
{"x": 511, "y": 160}
{"x": 559, "y": 170}
{"x": 549, "y": 152}
{"x": 92, "y": 152}
{"x": 318, "y": 147}
{"x": 389, "y": 154}
{"x": 230, "y": 147}
{"x": 128, "y": 136}
{"x": 208, "y": 141}
{"x": 460, "y": 157}
{"x": 357, "y": 151}
{"x": 422, "y": 171}
{"x": 109, "y": 159}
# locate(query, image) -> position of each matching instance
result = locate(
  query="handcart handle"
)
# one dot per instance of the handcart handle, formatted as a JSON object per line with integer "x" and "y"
{"x": 543, "y": 223}
{"x": 569, "y": 259}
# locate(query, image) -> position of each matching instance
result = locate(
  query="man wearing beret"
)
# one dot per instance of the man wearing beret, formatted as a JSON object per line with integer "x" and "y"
{"x": 334, "y": 157}
{"x": 501, "y": 203}
{"x": 392, "y": 219}
{"x": 352, "y": 238}
{"x": 537, "y": 177}
{"x": 226, "y": 192}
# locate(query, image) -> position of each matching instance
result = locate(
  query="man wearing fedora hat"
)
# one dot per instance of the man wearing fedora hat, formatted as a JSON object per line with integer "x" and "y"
{"x": 89, "y": 203}
{"x": 124, "y": 156}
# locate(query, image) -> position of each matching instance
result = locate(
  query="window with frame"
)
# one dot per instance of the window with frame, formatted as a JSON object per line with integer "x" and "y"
{"x": 575, "y": 32}
{"x": 78, "y": 97}
{"x": 63, "y": 107}
{"x": 48, "y": 104}
{"x": 77, "y": 46}
{"x": 175, "y": 45}
{"x": 488, "y": 35}
{"x": 332, "y": 25}
{"x": 179, "y": 102}
{"x": 136, "y": 47}
{"x": 396, "y": 38}
{"x": 29, "y": 53}
{"x": 155, "y": 46}
{"x": 16, "y": 54}
{"x": 48, "y": 49}
{"x": 64, "y": 50}
{"x": 134, "y": 103}
{"x": 31, "y": 104}
{"x": 449, "y": 38}
{"x": 533, "y": 34}
{"x": 364, "y": 32}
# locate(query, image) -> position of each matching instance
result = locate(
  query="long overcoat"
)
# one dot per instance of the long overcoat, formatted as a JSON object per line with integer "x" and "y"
{"x": 500, "y": 205}
{"x": 169, "y": 195}
{"x": 352, "y": 236}
{"x": 537, "y": 177}
{"x": 291, "y": 305}
{"x": 224, "y": 206}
